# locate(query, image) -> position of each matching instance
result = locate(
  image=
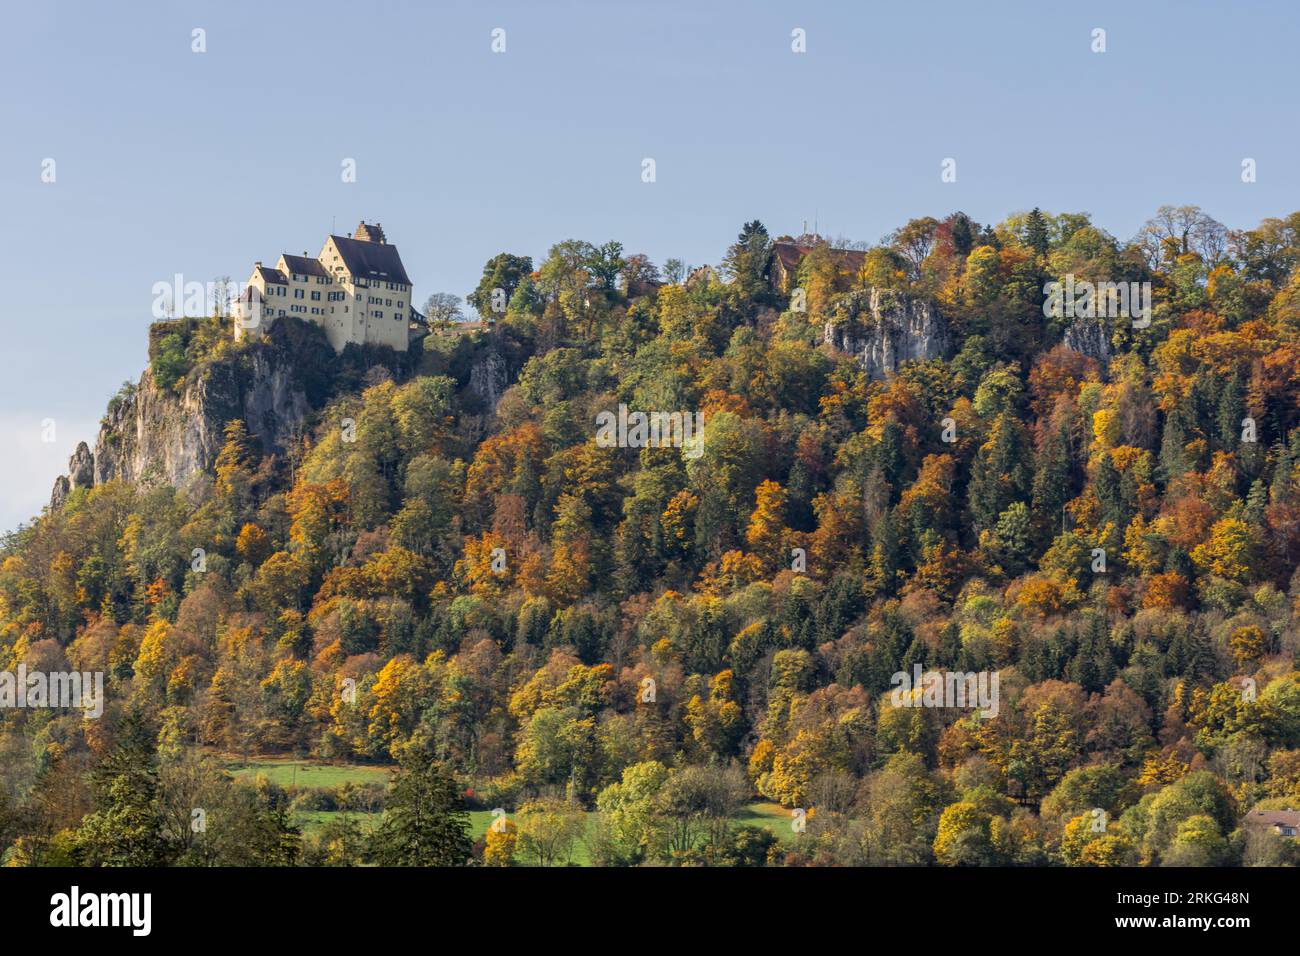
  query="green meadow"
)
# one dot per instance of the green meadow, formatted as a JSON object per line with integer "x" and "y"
{"x": 287, "y": 772}
{"x": 306, "y": 774}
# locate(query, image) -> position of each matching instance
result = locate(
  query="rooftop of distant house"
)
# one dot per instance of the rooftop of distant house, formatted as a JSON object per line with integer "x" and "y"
{"x": 1280, "y": 820}
{"x": 790, "y": 252}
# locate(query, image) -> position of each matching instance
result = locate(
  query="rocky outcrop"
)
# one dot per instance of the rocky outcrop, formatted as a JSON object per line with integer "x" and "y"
{"x": 1089, "y": 337}
{"x": 81, "y": 467}
{"x": 60, "y": 493}
{"x": 884, "y": 329}
{"x": 155, "y": 435}
{"x": 81, "y": 474}
{"x": 489, "y": 378}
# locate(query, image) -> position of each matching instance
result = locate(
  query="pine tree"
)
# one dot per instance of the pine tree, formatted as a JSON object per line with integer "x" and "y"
{"x": 950, "y": 648}
{"x": 889, "y": 455}
{"x": 747, "y": 260}
{"x": 1054, "y": 481}
{"x": 1036, "y": 231}
{"x": 917, "y": 653}
{"x": 275, "y": 839}
{"x": 1174, "y": 462}
{"x": 1014, "y": 534}
{"x": 1000, "y": 475}
{"x": 126, "y": 827}
{"x": 1286, "y": 458}
{"x": 885, "y": 549}
{"x": 1256, "y": 502}
{"x": 424, "y": 823}
{"x": 963, "y": 234}
{"x": 1231, "y": 410}
{"x": 1106, "y": 486}
{"x": 839, "y": 607}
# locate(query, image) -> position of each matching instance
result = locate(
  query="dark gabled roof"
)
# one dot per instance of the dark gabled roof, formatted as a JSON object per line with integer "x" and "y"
{"x": 1272, "y": 818}
{"x": 373, "y": 260}
{"x": 790, "y": 254}
{"x": 305, "y": 266}
{"x": 272, "y": 275}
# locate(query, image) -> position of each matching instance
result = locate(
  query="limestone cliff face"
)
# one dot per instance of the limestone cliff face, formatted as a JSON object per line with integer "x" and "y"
{"x": 488, "y": 378}
{"x": 1089, "y": 337}
{"x": 884, "y": 329}
{"x": 171, "y": 435}
{"x": 157, "y": 435}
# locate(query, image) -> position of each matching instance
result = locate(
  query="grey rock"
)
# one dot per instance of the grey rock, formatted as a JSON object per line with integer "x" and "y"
{"x": 488, "y": 379}
{"x": 883, "y": 329}
{"x": 1089, "y": 337}
{"x": 159, "y": 436}
{"x": 81, "y": 467}
{"x": 81, "y": 474}
{"x": 60, "y": 493}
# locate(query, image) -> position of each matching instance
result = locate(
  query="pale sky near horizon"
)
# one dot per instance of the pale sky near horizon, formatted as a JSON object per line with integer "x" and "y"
{"x": 170, "y": 161}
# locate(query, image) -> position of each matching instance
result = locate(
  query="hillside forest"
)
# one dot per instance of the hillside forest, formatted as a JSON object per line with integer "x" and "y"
{"x": 503, "y": 642}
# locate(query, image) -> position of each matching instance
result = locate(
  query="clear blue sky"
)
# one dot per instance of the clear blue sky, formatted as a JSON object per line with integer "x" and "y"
{"x": 170, "y": 161}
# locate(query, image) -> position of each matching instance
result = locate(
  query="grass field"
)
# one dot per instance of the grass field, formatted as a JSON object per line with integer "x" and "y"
{"x": 769, "y": 816}
{"x": 288, "y": 772}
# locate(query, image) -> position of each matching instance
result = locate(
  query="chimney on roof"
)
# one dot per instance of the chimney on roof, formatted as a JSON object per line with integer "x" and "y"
{"x": 258, "y": 264}
{"x": 368, "y": 233}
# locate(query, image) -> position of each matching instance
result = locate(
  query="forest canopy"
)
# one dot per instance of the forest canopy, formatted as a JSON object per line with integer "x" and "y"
{"x": 625, "y": 648}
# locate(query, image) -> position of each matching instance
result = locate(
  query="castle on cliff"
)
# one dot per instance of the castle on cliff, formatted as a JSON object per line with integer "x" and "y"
{"x": 357, "y": 290}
